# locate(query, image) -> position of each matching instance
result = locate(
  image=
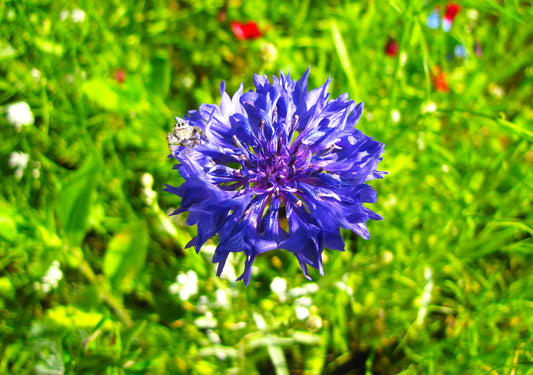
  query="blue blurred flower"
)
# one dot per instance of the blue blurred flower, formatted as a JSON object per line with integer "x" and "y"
{"x": 276, "y": 168}
{"x": 446, "y": 25}
{"x": 460, "y": 51}
{"x": 433, "y": 20}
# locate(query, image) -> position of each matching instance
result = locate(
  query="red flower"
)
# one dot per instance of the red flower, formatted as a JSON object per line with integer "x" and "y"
{"x": 439, "y": 81}
{"x": 391, "y": 48}
{"x": 120, "y": 76}
{"x": 451, "y": 11}
{"x": 246, "y": 30}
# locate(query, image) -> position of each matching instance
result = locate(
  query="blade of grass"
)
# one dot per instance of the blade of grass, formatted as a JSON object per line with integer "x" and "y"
{"x": 340, "y": 47}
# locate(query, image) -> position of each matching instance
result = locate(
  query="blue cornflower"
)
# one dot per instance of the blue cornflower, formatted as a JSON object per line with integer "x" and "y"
{"x": 433, "y": 20}
{"x": 275, "y": 168}
{"x": 460, "y": 51}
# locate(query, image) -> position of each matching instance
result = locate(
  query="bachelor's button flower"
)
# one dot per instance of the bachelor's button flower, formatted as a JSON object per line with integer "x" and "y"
{"x": 460, "y": 51}
{"x": 446, "y": 24}
{"x": 275, "y": 168}
{"x": 433, "y": 20}
{"x": 451, "y": 12}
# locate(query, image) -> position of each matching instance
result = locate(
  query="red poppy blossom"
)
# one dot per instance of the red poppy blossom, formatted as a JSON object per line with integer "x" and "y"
{"x": 245, "y": 30}
{"x": 439, "y": 81}
{"x": 120, "y": 76}
{"x": 451, "y": 11}
{"x": 391, "y": 48}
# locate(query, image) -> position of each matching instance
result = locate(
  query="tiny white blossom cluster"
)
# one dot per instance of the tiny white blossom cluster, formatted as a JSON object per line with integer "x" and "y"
{"x": 51, "y": 278}
{"x": 186, "y": 285}
{"x": 18, "y": 161}
{"x": 303, "y": 303}
{"x": 19, "y": 114}
{"x": 76, "y": 15}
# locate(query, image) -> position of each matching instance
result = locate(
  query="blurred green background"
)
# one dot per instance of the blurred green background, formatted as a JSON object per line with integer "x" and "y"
{"x": 93, "y": 275}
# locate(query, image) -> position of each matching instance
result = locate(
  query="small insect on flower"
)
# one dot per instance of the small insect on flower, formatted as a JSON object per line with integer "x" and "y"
{"x": 185, "y": 135}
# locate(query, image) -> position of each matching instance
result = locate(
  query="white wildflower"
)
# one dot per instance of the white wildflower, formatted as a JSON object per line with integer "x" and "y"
{"x": 222, "y": 299}
{"x": 77, "y": 15}
{"x": 64, "y": 14}
{"x": 213, "y": 337}
{"x": 302, "y": 312}
{"x": 187, "y": 82}
{"x": 278, "y": 286}
{"x": 36, "y": 74}
{"x": 396, "y": 116}
{"x": 304, "y": 301}
{"x": 186, "y": 285}
{"x": 19, "y": 114}
{"x": 19, "y": 161}
{"x": 308, "y": 288}
{"x": 207, "y": 321}
{"x": 429, "y": 107}
{"x": 496, "y": 91}
{"x": 52, "y": 277}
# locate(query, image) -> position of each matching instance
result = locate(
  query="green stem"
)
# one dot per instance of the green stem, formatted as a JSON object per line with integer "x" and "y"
{"x": 105, "y": 293}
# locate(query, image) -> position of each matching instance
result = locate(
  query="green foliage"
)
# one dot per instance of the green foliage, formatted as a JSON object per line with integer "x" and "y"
{"x": 125, "y": 256}
{"x": 94, "y": 277}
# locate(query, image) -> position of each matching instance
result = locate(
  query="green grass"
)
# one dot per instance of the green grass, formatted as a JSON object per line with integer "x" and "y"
{"x": 444, "y": 286}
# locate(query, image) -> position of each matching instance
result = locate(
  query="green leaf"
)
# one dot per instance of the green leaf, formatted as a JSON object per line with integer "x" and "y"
{"x": 346, "y": 64}
{"x": 8, "y": 229}
{"x": 102, "y": 94}
{"x": 125, "y": 256}
{"x": 71, "y": 316}
{"x": 48, "y": 46}
{"x": 6, "y": 50}
{"x": 314, "y": 363}
{"x": 74, "y": 202}
{"x": 161, "y": 74}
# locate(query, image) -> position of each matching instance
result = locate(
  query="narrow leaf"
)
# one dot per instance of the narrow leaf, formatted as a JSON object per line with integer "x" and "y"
{"x": 74, "y": 202}
{"x": 125, "y": 256}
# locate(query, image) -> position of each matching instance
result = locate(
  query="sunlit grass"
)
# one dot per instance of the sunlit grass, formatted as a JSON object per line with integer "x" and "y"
{"x": 443, "y": 286}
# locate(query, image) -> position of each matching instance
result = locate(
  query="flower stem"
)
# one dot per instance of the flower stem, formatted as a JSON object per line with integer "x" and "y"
{"x": 105, "y": 292}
